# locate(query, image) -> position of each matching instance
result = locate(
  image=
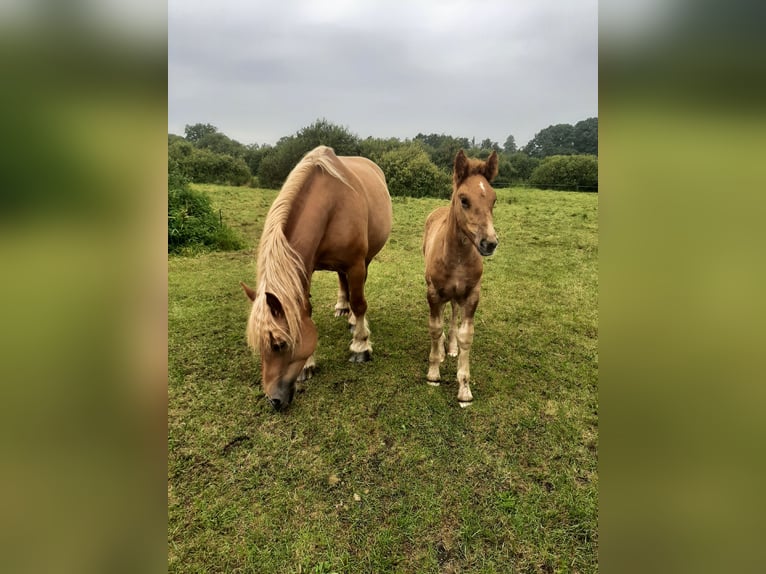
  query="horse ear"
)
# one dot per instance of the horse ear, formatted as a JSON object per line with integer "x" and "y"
{"x": 276, "y": 307}
{"x": 490, "y": 169}
{"x": 461, "y": 167}
{"x": 249, "y": 292}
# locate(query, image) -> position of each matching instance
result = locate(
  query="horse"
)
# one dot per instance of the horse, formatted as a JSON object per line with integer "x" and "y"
{"x": 455, "y": 240}
{"x": 333, "y": 213}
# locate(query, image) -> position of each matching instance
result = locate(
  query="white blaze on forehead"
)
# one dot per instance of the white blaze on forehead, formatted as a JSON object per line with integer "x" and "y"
{"x": 481, "y": 185}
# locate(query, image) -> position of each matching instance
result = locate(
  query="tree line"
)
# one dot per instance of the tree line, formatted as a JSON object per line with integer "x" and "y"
{"x": 561, "y": 156}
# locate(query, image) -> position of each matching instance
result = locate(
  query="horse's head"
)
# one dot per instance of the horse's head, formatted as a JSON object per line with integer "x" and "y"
{"x": 473, "y": 200}
{"x": 285, "y": 342}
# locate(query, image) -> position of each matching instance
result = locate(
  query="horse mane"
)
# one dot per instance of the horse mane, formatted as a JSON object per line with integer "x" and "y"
{"x": 281, "y": 271}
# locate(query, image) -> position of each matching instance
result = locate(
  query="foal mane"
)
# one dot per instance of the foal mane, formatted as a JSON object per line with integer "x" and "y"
{"x": 281, "y": 271}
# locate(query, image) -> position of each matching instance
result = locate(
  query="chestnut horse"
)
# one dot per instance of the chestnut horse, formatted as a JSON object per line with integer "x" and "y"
{"x": 333, "y": 213}
{"x": 455, "y": 240}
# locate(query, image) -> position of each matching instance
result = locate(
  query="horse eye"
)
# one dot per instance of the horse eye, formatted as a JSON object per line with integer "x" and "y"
{"x": 277, "y": 347}
{"x": 465, "y": 203}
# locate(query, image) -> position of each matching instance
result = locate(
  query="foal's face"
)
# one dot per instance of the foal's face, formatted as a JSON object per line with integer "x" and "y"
{"x": 473, "y": 202}
{"x": 281, "y": 363}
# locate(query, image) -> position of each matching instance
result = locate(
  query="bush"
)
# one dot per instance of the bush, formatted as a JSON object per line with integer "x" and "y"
{"x": 207, "y": 166}
{"x": 192, "y": 223}
{"x": 410, "y": 172}
{"x": 573, "y": 172}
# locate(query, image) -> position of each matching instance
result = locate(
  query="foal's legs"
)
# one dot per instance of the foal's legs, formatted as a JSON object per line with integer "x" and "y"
{"x": 436, "y": 330}
{"x": 464, "y": 341}
{"x": 361, "y": 349}
{"x": 452, "y": 337}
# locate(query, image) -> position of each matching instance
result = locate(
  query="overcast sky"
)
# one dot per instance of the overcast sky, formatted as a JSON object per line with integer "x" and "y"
{"x": 484, "y": 69}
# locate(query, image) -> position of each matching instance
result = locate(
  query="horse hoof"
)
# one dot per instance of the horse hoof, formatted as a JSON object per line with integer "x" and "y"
{"x": 306, "y": 374}
{"x": 362, "y": 357}
{"x": 434, "y": 383}
{"x": 463, "y": 404}
{"x": 341, "y": 312}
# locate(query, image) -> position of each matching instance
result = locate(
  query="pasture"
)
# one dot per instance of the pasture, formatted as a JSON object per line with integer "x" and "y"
{"x": 371, "y": 469}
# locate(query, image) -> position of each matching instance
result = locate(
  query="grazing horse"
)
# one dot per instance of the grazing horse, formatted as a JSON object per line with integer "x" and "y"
{"x": 455, "y": 240}
{"x": 333, "y": 213}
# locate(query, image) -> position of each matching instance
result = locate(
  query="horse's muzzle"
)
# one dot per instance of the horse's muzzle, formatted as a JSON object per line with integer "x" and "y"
{"x": 487, "y": 247}
{"x": 282, "y": 398}
{"x": 276, "y": 403}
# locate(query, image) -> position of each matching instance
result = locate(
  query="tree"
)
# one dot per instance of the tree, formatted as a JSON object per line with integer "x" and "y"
{"x": 374, "y": 148}
{"x": 254, "y": 154}
{"x": 275, "y": 166}
{"x": 553, "y": 140}
{"x": 198, "y": 131}
{"x": 322, "y": 132}
{"x": 442, "y": 148}
{"x": 586, "y": 136}
{"x": 410, "y": 172}
{"x": 522, "y": 166}
{"x": 220, "y": 143}
{"x": 489, "y": 144}
{"x": 510, "y": 145}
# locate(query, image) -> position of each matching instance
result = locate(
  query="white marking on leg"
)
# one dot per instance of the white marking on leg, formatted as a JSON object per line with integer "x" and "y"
{"x": 465, "y": 339}
{"x": 361, "y": 340}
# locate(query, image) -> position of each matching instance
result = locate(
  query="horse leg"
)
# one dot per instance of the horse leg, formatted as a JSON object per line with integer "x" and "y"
{"x": 436, "y": 330}
{"x": 464, "y": 341}
{"x": 452, "y": 338}
{"x": 341, "y": 307}
{"x": 361, "y": 349}
{"x": 308, "y": 370}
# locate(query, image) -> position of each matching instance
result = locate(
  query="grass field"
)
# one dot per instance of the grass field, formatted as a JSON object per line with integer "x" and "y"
{"x": 371, "y": 469}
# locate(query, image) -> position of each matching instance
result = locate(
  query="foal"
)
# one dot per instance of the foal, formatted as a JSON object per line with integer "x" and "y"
{"x": 455, "y": 240}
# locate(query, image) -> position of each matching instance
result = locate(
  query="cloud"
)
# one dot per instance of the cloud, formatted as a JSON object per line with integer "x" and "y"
{"x": 485, "y": 69}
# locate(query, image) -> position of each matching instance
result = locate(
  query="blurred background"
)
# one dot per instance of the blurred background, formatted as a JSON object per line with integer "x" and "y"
{"x": 682, "y": 277}
{"x": 83, "y": 302}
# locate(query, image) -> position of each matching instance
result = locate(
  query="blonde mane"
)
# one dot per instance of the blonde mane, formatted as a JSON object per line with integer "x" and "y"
{"x": 281, "y": 271}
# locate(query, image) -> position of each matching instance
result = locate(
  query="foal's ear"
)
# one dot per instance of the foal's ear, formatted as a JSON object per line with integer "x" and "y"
{"x": 490, "y": 169}
{"x": 274, "y": 305}
{"x": 249, "y": 292}
{"x": 461, "y": 167}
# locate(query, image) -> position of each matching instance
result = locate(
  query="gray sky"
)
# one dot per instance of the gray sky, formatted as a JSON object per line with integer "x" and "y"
{"x": 262, "y": 70}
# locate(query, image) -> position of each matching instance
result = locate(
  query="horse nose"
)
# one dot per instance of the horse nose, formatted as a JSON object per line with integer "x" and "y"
{"x": 276, "y": 403}
{"x": 488, "y": 247}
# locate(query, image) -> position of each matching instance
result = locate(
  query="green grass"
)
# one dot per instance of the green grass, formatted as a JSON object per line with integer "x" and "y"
{"x": 371, "y": 469}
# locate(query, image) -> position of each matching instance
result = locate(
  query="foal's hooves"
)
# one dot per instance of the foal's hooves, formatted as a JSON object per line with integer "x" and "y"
{"x": 306, "y": 374}
{"x": 341, "y": 312}
{"x": 362, "y": 357}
